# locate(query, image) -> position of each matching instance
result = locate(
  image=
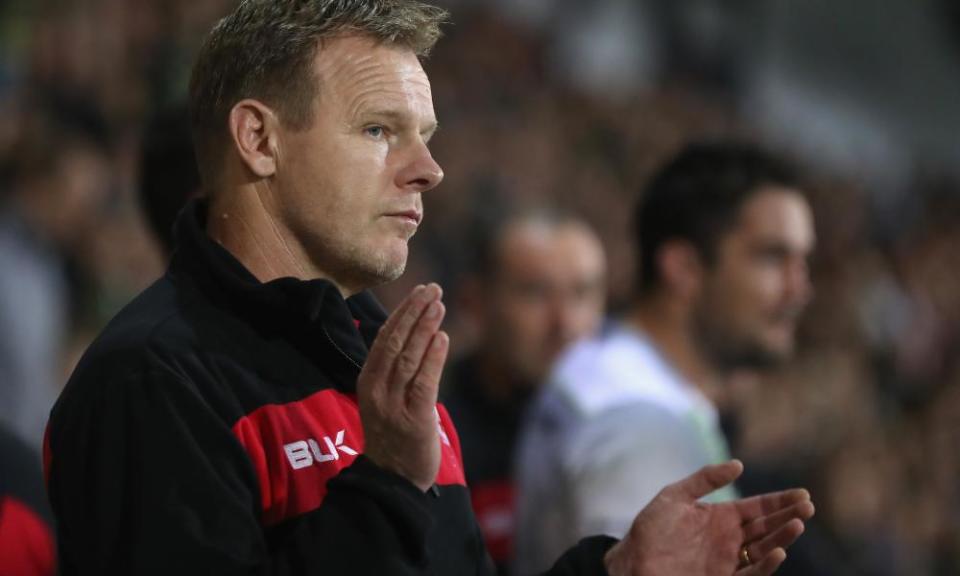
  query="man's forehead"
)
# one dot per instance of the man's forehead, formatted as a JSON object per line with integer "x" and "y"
{"x": 350, "y": 61}
{"x": 530, "y": 244}
{"x": 369, "y": 78}
{"x": 771, "y": 204}
{"x": 777, "y": 213}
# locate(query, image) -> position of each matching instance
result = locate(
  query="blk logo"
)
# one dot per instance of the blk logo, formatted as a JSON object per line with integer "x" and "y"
{"x": 305, "y": 453}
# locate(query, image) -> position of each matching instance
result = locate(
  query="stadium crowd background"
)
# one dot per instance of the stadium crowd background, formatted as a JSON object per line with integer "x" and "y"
{"x": 574, "y": 103}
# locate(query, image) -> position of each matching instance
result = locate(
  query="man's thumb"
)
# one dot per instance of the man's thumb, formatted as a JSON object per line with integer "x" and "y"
{"x": 707, "y": 479}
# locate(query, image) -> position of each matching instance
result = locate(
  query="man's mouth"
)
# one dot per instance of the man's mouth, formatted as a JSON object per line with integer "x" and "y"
{"x": 412, "y": 216}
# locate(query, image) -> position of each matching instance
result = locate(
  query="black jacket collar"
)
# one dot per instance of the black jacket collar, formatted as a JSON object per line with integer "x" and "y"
{"x": 312, "y": 314}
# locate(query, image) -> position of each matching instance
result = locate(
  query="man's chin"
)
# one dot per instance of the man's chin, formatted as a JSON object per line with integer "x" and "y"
{"x": 391, "y": 274}
{"x": 758, "y": 355}
{"x": 369, "y": 273}
{"x": 389, "y": 269}
{"x": 769, "y": 355}
{"x": 391, "y": 262}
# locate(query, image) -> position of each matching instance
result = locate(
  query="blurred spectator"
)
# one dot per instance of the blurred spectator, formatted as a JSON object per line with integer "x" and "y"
{"x": 724, "y": 234}
{"x": 538, "y": 285}
{"x": 56, "y": 186}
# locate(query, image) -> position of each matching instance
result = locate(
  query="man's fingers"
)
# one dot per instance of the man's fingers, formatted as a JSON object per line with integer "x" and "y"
{"x": 765, "y": 566}
{"x": 392, "y": 338}
{"x": 377, "y": 359}
{"x": 766, "y": 504}
{"x": 706, "y": 480}
{"x": 760, "y": 527}
{"x": 422, "y": 394}
{"x": 781, "y": 538}
{"x": 410, "y": 359}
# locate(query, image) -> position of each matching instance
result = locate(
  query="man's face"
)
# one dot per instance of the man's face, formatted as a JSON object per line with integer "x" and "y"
{"x": 349, "y": 187}
{"x": 755, "y": 290}
{"x": 549, "y": 290}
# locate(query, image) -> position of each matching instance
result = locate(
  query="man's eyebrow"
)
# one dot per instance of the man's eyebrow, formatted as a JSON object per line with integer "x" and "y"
{"x": 431, "y": 130}
{"x": 401, "y": 118}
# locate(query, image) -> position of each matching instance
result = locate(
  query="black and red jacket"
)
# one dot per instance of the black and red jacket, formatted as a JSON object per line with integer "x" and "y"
{"x": 213, "y": 428}
{"x": 26, "y": 529}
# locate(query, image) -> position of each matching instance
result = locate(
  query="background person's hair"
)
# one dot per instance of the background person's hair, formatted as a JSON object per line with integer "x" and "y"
{"x": 697, "y": 197}
{"x": 265, "y": 50}
{"x": 168, "y": 172}
{"x": 489, "y": 230}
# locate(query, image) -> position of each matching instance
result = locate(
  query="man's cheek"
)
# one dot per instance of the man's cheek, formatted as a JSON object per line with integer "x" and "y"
{"x": 762, "y": 286}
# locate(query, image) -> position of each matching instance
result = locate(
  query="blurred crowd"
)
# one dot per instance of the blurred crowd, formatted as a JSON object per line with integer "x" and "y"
{"x": 867, "y": 415}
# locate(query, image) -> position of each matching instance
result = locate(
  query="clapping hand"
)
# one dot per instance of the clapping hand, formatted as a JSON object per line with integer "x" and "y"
{"x": 677, "y": 535}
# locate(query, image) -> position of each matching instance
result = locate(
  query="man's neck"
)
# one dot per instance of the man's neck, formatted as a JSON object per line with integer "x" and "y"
{"x": 499, "y": 384}
{"x": 668, "y": 329}
{"x": 241, "y": 222}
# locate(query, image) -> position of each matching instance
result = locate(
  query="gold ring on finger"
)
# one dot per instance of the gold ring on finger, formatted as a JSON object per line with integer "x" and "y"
{"x": 744, "y": 557}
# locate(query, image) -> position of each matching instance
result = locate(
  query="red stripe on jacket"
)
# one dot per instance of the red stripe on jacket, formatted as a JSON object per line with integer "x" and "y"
{"x": 296, "y": 448}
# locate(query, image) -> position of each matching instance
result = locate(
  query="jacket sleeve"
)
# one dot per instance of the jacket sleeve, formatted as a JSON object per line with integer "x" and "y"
{"x": 145, "y": 477}
{"x": 584, "y": 559}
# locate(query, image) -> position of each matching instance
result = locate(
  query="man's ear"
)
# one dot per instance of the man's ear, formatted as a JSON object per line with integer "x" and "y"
{"x": 254, "y": 130}
{"x": 681, "y": 268}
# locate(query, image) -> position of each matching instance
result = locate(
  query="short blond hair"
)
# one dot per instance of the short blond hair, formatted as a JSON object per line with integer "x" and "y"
{"x": 265, "y": 50}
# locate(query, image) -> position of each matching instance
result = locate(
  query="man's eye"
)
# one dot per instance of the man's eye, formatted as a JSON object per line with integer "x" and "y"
{"x": 375, "y": 131}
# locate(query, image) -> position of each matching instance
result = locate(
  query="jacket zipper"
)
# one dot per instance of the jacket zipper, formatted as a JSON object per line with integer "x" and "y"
{"x": 340, "y": 350}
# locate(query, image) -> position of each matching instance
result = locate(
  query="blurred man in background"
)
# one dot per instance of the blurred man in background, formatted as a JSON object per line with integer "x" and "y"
{"x": 724, "y": 233}
{"x": 56, "y": 190}
{"x": 538, "y": 284}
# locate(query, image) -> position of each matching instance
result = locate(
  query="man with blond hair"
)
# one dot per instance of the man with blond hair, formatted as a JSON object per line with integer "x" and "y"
{"x": 255, "y": 411}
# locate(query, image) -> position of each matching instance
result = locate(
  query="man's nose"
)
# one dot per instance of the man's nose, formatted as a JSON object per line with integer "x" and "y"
{"x": 568, "y": 320}
{"x": 421, "y": 173}
{"x": 799, "y": 285}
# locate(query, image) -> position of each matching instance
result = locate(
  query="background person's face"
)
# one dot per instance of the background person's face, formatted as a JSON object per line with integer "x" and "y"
{"x": 550, "y": 290}
{"x": 349, "y": 186}
{"x": 755, "y": 290}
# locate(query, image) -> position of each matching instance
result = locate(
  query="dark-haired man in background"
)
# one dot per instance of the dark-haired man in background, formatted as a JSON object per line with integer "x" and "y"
{"x": 724, "y": 233}
{"x": 255, "y": 411}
